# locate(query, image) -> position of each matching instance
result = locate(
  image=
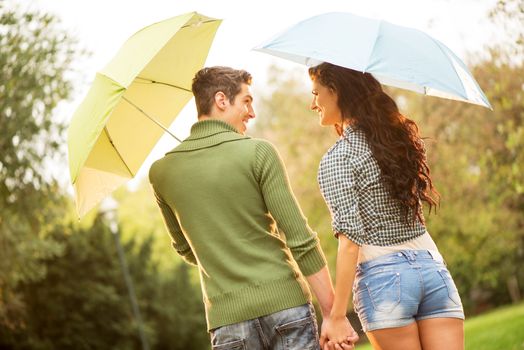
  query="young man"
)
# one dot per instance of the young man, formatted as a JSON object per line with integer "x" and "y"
{"x": 229, "y": 209}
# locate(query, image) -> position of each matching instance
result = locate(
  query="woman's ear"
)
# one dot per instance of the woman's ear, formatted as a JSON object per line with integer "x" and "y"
{"x": 221, "y": 100}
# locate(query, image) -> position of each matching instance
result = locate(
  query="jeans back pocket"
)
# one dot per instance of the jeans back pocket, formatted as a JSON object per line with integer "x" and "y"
{"x": 450, "y": 285}
{"x": 299, "y": 335}
{"x": 233, "y": 345}
{"x": 383, "y": 289}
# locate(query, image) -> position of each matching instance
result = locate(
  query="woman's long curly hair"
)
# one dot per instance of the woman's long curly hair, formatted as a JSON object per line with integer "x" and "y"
{"x": 394, "y": 139}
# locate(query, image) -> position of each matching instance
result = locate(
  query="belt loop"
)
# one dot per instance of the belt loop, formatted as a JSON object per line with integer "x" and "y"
{"x": 409, "y": 255}
{"x": 405, "y": 253}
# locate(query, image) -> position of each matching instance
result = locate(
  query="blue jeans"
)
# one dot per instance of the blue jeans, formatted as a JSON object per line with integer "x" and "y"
{"x": 398, "y": 289}
{"x": 290, "y": 329}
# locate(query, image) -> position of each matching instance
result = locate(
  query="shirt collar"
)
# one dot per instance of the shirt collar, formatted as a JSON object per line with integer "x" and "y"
{"x": 348, "y": 130}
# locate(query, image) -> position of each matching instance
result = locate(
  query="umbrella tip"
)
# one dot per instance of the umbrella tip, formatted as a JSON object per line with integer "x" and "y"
{"x": 197, "y": 20}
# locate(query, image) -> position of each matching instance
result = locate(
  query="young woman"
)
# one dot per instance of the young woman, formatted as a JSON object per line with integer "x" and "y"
{"x": 374, "y": 180}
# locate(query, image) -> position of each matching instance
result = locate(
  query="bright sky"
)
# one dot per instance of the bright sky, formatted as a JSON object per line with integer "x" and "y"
{"x": 102, "y": 26}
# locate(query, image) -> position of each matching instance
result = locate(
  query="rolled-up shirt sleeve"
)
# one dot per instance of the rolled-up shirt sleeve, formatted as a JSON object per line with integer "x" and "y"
{"x": 339, "y": 186}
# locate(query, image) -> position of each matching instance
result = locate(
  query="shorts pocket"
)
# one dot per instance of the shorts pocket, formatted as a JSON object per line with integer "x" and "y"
{"x": 299, "y": 334}
{"x": 450, "y": 285}
{"x": 233, "y": 345}
{"x": 383, "y": 289}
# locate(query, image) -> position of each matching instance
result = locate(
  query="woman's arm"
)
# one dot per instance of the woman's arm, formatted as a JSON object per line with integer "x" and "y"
{"x": 335, "y": 328}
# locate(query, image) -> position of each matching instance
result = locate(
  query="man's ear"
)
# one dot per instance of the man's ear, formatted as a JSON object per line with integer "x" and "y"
{"x": 221, "y": 100}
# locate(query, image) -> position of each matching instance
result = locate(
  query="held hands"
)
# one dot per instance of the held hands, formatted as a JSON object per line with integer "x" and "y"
{"x": 337, "y": 334}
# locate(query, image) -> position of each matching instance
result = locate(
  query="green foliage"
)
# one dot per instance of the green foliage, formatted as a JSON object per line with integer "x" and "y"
{"x": 477, "y": 160}
{"x": 497, "y": 330}
{"x": 61, "y": 284}
{"x": 34, "y": 60}
{"x": 509, "y": 15}
{"x": 179, "y": 313}
{"x": 83, "y": 303}
{"x": 133, "y": 208}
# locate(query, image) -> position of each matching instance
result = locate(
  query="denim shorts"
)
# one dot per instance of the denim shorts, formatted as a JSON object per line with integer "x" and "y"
{"x": 289, "y": 329}
{"x": 398, "y": 289}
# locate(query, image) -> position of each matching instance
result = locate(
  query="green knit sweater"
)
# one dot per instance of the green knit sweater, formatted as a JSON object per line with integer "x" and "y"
{"x": 229, "y": 209}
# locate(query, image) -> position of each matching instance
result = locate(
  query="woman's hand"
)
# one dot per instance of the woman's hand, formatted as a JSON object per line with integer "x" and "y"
{"x": 337, "y": 334}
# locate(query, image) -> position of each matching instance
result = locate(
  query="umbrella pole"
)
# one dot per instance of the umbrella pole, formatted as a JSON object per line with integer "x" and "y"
{"x": 152, "y": 119}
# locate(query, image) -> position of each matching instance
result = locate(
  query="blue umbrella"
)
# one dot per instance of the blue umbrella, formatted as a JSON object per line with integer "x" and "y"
{"x": 397, "y": 56}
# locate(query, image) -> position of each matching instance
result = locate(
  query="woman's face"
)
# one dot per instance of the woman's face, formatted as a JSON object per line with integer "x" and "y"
{"x": 325, "y": 104}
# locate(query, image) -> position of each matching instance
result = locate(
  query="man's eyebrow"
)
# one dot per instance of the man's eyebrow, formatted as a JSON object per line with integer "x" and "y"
{"x": 249, "y": 96}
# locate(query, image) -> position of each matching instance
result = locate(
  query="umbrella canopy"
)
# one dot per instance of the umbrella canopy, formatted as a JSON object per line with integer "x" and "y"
{"x": 397, "y": 56}
{"x": 145, "y": 85}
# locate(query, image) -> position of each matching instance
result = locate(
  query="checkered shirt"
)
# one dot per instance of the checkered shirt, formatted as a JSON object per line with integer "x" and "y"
{"x": 360, "y": 205}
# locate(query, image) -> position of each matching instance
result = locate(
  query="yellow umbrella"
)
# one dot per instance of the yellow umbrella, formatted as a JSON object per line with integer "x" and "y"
{"x": 145, "y": 86}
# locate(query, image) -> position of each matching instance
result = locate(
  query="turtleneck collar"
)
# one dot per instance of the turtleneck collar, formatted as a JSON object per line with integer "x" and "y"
{"x": 207, "y": 127}
{"x": 208, "y": 133}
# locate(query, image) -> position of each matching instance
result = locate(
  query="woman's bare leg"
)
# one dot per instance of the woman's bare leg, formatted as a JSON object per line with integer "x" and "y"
{"x": 400, "y": 338}
{"x": 441, "y": 333}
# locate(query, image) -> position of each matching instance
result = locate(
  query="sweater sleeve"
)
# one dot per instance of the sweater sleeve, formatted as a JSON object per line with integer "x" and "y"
{"x": 178, "y": 242}
{"x": 283, "y": 207}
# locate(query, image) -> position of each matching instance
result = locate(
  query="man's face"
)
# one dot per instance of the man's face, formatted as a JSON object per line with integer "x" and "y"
{"x": 239, "y": 111}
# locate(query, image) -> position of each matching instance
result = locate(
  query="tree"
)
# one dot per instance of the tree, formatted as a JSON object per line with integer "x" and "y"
{"x": 82, "y": 302}
{"x": 175, "y": 312}
{"x": 35, "y": 58}
{"x": 179, "y": 316}
{"x": 509, "y": 15}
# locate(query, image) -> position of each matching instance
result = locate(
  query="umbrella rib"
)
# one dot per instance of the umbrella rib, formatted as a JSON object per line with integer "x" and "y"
{"x": 161, "y": 83}
{"x": 373, "y": 48}
{"x": 152, "y": 119}
{"x": 116, "y": 150}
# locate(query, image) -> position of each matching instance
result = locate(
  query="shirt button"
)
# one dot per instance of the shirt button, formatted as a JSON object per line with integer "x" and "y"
{"x": 399, "y": 254}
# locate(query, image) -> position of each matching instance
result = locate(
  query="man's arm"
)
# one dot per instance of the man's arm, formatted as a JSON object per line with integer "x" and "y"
{"x": 179, "y": 242}
{"x": 301, "y": 240}
{"x": 283, "y": 207}
{"x": 320, "y": 283}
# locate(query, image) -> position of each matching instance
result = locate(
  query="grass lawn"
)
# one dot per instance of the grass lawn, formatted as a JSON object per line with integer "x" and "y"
{"x": 501, "y": 329}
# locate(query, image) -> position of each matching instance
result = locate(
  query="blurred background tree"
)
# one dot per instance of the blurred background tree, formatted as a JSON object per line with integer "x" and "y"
{"x": 61, "y": 284}
{"x": 34, "y": 58}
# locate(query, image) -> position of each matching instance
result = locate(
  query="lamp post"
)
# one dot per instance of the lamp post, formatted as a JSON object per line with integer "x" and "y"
{"x": 109, "y": 207}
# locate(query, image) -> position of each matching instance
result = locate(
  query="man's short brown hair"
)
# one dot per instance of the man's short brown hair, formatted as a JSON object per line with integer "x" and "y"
{"x": 208, "y": 81}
